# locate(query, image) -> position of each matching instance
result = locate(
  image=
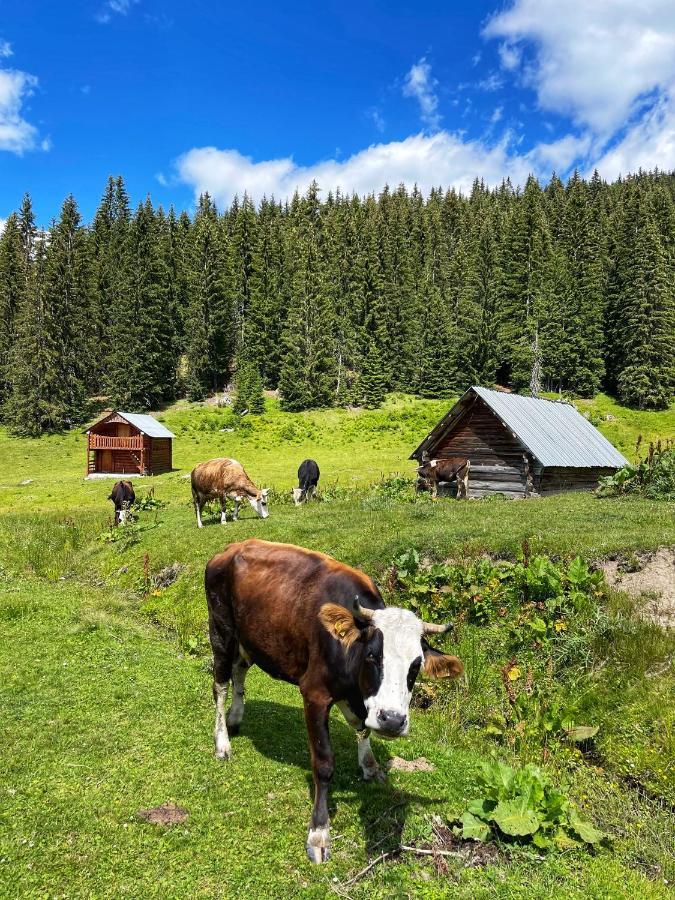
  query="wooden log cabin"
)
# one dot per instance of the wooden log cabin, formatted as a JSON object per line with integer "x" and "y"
{"x": 520, "y": 447}
{"x": 124, "y": 443}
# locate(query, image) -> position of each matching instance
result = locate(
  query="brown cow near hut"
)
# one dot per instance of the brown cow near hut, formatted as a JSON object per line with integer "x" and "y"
{"x": 434, "y": 471}
{"x": 223, "y": 478}
{"x": 308, "y": 619}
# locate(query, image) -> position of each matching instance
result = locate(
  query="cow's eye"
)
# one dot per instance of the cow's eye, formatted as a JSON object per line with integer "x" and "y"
{"x": 370, "y": 656}
{"x": 413, "y": 672}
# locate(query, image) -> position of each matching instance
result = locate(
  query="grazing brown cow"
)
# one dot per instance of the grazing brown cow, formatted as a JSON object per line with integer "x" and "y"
{"x": 307, "y": 619}
{"x": 123, "y": 497}
{"x": 433, "y": 471}
{"x": 220, "y": 479}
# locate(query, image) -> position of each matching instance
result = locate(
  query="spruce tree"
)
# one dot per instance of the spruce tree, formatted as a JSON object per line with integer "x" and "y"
{"x": 13, "y": 288}
{"x": 249, "y": 396}
{"x": 646, "y": 310}
{"x": 34, "y": 402}
{"x": 113, "y": 310}
{"x": 68, "y": 290}
{"x": 209, "y": 323}
{"x": 307, "y": 377}
{"x": 145, "y": 370}
{"x": 372, "y": 386}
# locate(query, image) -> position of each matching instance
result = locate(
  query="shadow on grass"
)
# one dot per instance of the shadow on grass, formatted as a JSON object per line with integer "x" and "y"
{"x": 278, "y": 732}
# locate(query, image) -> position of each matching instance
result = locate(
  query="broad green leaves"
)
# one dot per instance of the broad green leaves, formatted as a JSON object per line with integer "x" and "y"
{"x": 514, "y": 818}
{"x": 522, "y": 804}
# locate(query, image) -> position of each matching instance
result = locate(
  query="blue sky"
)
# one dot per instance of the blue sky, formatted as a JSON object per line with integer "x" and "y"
{"x": 182, "y": 97}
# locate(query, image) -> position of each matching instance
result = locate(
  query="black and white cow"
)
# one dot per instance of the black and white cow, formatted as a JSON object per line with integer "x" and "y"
{"x": 123, "y": 498}
{"x": 308, "y": 479}
{"x": 310, "y": 620}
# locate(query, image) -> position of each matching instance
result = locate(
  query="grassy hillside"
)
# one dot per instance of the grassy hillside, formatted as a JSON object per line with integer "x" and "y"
{"x": 105, "y": 690}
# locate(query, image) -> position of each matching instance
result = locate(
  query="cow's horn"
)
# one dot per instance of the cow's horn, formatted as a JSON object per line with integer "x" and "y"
{"x": 431, "y": 628}
{"x": 363, "y": 613}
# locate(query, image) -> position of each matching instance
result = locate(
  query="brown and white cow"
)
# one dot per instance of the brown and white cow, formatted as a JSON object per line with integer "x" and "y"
{"x": 308, "y": 619}
{"x": 433, "y": 471}
{"x": 223, "y": 478}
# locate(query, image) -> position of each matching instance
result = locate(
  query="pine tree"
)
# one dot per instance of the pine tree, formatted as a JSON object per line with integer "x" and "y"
{"x": 307, "y": 377}
{"x": 584, "y": 293}
{"x": 264, "y": 322}
{"x": 646, "y": 313}
{"x": 209, "y": 324}
{"x": 526, "y": 255}
{"x": 145, "y": 370}
{"x": 112, "y": 315}
{"x": 478, "y": 279}
{"x": 49, "y": 359}
{"x": 33, "y": 405}
{"x": 249, "y": 396}
{"x": 12, "y": 296}
{"x": 372, "y": 386}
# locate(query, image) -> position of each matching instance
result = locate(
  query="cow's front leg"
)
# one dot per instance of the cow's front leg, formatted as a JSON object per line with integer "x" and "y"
{"x": 223, "y": 510}
{"x": 198, "y": 511}
{"x": 235, "y": 515}
{"x": 316, "y": 718}
{"x": 369, "y": 765}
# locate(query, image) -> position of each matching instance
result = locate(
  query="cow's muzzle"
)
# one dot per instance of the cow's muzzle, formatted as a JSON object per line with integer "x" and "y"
{"x": 391, "y": 724}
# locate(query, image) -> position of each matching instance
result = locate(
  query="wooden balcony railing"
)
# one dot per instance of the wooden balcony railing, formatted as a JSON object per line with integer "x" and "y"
{"x": 104, "y": 442}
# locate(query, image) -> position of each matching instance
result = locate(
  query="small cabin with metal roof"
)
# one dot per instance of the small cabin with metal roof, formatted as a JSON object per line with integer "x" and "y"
{"x": 123, "y": 443}
{"x": 520, "y": 446}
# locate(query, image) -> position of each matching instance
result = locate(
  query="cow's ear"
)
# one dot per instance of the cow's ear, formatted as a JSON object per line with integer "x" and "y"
{"x": 440, "y": 665}
{"x": 339, "y": 622}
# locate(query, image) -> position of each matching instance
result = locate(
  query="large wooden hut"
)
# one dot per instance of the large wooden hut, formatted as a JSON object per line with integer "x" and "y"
{"x": 125, "y": 443}
{"x": 520, "y": 446}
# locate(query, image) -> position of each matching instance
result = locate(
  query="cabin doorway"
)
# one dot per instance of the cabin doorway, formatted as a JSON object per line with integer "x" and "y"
{"x": 106, "y": 461}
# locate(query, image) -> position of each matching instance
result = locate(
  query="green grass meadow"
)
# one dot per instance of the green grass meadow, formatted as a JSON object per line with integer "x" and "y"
{"x": 105, "y": 690}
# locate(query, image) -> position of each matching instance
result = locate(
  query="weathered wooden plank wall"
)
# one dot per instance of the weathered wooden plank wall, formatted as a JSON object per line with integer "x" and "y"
{"x": 160, "y": 460}
{"x": 497, "y": 457}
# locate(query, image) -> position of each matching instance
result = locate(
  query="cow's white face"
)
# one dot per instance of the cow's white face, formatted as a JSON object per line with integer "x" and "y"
{"x": 399, "y": 665}
{"x": 392, "y": 650}
{"x": 259, "y": 504}
{"x": 298, "y": 496}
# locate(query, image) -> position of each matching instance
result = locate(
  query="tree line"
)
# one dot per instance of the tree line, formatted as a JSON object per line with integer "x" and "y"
{"x": 565, "y": 287}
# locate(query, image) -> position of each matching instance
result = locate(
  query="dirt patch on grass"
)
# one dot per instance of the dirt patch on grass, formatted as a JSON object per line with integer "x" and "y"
{"x": 166, "y": 577}
{"x": 421, "y": 764}
{"x": 654, "y": 577}
{"x": 167, "y": 814}
{"x": 446, "y": 845}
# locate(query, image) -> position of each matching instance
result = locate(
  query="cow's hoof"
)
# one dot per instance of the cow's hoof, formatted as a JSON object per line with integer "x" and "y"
{"x": 318, "y": 845}
{"x": 374, "y": 775}
{"x": 233, "y": 728}
{"x": 223, "y": 750}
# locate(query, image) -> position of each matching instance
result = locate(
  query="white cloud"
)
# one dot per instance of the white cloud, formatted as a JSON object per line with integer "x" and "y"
{"x": 496, "y": 115}
{"x": 648, "y": 144}
{"x": 114, "y": 7}
{"x": 16, "y": 134}
{"x": 377, "y": 119}
{"x": 593, "y": 61}
{"x": 493, "y": 82}
{"x": 510, "y": 56}
{"x": 5, "y": 49}
{"x": 442, "y": 158}
{"x": 421, "y": 85}
{"x": 3, "y": 222}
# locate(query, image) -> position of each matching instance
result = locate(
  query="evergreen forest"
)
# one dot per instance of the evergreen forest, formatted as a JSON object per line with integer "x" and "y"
{"x": 338, "y": 299}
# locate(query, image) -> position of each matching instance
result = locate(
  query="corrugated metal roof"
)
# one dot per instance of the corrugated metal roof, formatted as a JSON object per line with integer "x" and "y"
{"x": 554, "y": 432}
{"x": 147, "y": 424}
